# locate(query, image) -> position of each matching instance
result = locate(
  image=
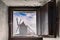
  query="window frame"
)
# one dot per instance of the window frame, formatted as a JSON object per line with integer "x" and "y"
{"x": 42, "y": 9}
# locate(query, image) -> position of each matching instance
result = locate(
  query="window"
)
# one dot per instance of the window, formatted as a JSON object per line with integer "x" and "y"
{"x": 31, "y": 22}
{"x": 24, "y": 23}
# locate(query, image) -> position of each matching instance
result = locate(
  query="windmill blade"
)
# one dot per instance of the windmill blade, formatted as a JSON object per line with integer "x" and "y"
{"x": 17, "y": 20}
{"x": 20, "y": 20}
{"x": 17, "y": 24}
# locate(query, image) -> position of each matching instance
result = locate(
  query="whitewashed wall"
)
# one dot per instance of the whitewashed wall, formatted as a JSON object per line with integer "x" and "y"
{"x": 4, "y": 23}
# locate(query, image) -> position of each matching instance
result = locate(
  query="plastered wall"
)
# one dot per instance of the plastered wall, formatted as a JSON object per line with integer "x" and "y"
{"x": 4, "y": 23}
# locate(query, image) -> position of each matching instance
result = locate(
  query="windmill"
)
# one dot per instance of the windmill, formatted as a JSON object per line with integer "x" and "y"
{"x": 23, "y": 28}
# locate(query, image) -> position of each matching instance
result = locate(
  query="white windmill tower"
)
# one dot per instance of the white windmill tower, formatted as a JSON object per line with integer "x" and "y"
{"x": 22, "y": 27}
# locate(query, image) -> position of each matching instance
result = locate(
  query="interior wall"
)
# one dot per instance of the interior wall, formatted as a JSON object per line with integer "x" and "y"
{"x": 3, "y": 21}
{"x": 44, "y": 19}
